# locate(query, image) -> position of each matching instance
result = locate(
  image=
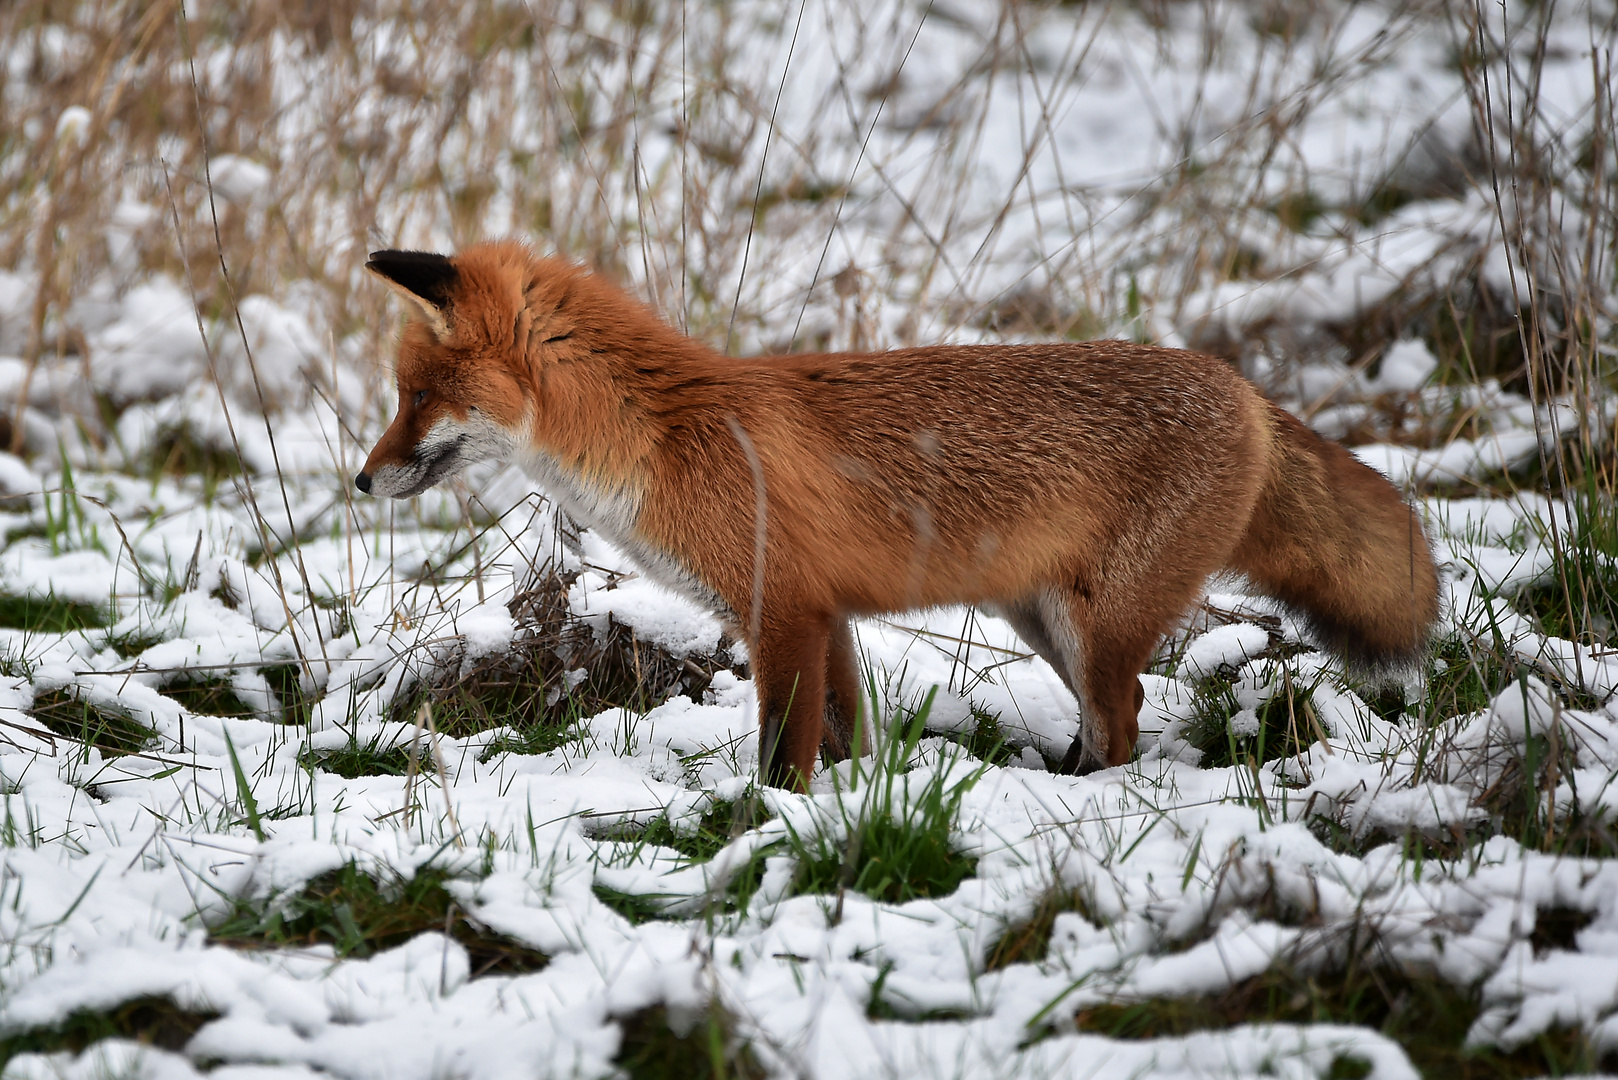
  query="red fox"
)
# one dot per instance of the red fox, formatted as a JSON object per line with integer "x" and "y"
{"x": 1084, "y": 492}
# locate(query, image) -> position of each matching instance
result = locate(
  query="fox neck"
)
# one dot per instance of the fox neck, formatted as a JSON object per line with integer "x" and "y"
{"x": 588, "y": 450}
{"x": 600, "y": 420}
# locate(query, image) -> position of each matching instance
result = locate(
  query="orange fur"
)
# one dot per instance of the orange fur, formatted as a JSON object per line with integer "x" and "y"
{"x": 1084, "y": 491}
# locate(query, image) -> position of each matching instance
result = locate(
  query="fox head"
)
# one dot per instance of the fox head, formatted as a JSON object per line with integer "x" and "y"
{"x": 522, "y": 358}
{"x": 462, "y": 385}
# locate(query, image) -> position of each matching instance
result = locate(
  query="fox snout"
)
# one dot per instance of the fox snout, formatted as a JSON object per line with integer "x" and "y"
{"x": 405, "y": 463}
{"x": 404, "y": 480}
{"x": 447, "y": 448}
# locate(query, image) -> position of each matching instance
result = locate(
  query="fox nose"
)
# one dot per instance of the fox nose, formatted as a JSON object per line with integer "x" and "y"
{"x": 363, "y": 482}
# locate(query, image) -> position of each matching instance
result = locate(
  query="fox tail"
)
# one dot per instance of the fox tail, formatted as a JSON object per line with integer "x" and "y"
{"x": 1333, "y": 540}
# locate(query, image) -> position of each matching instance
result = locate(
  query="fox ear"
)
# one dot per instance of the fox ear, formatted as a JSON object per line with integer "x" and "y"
{"x": 425, "y": 279}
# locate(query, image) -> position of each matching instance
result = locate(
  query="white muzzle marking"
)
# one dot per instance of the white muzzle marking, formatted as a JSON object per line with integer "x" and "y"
{"x": 449, "y": 446}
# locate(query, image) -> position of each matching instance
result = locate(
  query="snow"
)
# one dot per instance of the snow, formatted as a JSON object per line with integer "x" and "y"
{"x": 1224, "y": 646}
{"x": 121, "y": 912}
{"x": 1406, "y": 367}
{"x": 269, "y": 355}
{"x": 116, "y": 867}
{"x": 237, "y": 178}
{"x": 74, "y": 124}
{"x": 154, "y": 348}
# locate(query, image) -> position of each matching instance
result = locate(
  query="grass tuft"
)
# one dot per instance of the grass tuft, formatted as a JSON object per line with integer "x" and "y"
{"x": 880, "y": 1006}
{"x": 558, "y": 671}
{"x": 355, "y": 760}
{"x": 1575, "y": 835}
{"x": 721, "y": 823}
{"x": 1471, "y": 329}
{"x": 1465, "y": 673}
{"x": 150, "y": 1021}
{"x": 1423, "y": 1013}
{"x": 359, "y": 916}
{"x": 1348, "y": 1067}
{"x": 1579, "y": 599}
{"x": 634, "y": 907}
{"x": 131, "y": 643}
{"x": 178, "y": 452}
{"x": 894, "y": 846}
{"x": 209, "y": 697}
{"x": 985, "y": 740}
{"x": 533, "y": 739}
{"x": 1028, "y": 941}
{"x": 1521, "y": 804}
{"x": 107, "y": 730}
{"x": 49, "y": 615}
{"x": 1297, "y": 211}
{"x": 1283, "y": 725}
{"x": 896, "y": 849}
{"x": 658, "y": 1044}
{"x": 286, "y": 682}
{"x": 519, "y": 690}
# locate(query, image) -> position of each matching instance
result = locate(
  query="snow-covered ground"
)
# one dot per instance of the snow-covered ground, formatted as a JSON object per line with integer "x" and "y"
{"x": 1022, "y": 149}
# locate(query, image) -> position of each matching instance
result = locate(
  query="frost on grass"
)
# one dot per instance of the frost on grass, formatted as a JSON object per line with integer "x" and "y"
{"x": 299, "y": 783}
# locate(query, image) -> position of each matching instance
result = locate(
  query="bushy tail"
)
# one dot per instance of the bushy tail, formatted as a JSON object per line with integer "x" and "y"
{"x": 1332, "y": 539}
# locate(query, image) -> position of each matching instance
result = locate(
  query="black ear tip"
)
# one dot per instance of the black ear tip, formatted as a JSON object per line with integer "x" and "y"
{"x": 425, "y": 273}
{"x": 417, "y": 258}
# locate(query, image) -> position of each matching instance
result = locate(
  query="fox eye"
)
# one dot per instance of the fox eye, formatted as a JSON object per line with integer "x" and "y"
{"x": 421, "y": 396}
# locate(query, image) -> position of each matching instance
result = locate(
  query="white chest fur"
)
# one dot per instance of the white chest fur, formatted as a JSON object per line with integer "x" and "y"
{"x": 613, "y": 511}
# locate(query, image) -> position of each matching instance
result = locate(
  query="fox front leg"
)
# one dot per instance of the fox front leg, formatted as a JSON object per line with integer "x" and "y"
{"x": 789, "y": 671}
{"x": 843, "y": 702}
